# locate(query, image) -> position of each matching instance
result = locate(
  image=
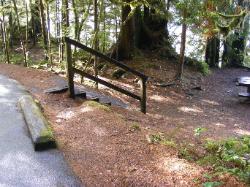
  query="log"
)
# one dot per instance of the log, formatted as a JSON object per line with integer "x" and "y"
{"x": 40, "y": 131}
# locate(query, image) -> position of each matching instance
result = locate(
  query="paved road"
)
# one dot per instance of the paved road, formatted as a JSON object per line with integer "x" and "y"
{"x": 20, "y": 165}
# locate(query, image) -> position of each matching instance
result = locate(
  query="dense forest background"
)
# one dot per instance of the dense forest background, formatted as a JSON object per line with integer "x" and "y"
{"x": 180, "y": 140}
{"x": 199, "y": 32}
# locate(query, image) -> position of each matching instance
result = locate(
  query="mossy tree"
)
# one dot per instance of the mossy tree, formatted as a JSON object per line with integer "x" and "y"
{"x": 144, "y": 26}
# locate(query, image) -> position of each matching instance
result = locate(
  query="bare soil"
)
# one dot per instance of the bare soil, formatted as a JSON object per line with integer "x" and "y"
{"x": 103, "y": 146}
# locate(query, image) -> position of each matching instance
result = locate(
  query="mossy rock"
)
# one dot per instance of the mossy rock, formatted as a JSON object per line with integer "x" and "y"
{"x": 39, "y": 128}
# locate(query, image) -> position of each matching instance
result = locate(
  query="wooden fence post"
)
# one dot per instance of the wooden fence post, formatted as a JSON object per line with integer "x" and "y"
{"x": 143, "y": 95}
{"x": 70, "y": 72}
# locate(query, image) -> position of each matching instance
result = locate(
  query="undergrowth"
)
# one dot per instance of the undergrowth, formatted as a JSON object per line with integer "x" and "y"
{"x": 201, "y": 66}
{"x": 230, "y": 156}
{"x": 161, "y": 139}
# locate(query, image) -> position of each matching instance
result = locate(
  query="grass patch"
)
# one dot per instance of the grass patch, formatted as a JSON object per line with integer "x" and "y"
{"x": 135, "y": 127}
{"x": 97, "y": 105}
{"x": 160, "y": 138}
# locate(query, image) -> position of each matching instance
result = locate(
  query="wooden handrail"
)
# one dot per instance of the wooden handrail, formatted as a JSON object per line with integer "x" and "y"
{"x": 72, "y": 70}
{"x": 105, "y": 83}
{"x": 112, "y": 61}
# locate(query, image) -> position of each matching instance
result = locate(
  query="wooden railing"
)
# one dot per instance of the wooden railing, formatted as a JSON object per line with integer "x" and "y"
{"x": 71, "y": 70}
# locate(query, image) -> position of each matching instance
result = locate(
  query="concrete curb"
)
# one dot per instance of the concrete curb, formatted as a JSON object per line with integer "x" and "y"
{"x": 41, "y": 134}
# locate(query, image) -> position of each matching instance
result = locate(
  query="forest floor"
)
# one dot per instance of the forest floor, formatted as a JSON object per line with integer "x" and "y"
{"x": 112, "y": 146}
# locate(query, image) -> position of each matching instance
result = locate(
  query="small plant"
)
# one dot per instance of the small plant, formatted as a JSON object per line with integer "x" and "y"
{"x": 212, "y": 146}
{"x": 186, "y": 153}
{"x": 198, "y": 131}
{"x": 161, "y": 139}
{"x": 134, "y": 127}
{"x": 156, "y": 138}
{"x": 212, "y": 184}
{"x": 170, "y": 143}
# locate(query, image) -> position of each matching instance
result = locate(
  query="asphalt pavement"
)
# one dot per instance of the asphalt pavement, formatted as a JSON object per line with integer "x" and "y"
{"x": 20, "y": 165}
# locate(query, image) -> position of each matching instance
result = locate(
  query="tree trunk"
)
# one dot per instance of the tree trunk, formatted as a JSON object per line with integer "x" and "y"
{"x": 96, "y": 42}
{"x": 212, "y": 52}
{"x": 125, "y": 45}
{"x": 35, "y": 20}
{"x": 44, "y": 29}
{"x": 19, "y": 31}
{"x": 59, "y": 14}
{"x": 49, "y": 40}
{"x": 11, "y": 30}
{"x": 183, "y": 46}
{"x": 76, "y": 16}
{"x": 143, "y": 30}
{"x": 5, "y": 38}
{"x": 26, "y": 29}
{"x": 102, "y": 18}
{"x": 153, "y": 30}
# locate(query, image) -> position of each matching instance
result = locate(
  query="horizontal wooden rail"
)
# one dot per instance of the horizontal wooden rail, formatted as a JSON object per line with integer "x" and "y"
{"x": 72, "y": 70}
{"x": 105, "y": 83}
{"x": 112, "y": 61}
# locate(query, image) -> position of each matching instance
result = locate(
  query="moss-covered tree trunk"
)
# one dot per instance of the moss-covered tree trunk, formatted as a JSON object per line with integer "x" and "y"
{"x": 146, "y": 29}
{"x": 212, "y": 55}
{"x": 35, "y": 20}
{"x": 152, "y": 31}
{"x": 125, "y": 45}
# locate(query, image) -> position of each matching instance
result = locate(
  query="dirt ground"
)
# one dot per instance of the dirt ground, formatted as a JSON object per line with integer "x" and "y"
{"x": 108, "y": 146}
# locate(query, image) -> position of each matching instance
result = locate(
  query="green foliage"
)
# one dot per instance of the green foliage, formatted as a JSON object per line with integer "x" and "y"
{"x": 199, "y": 130}
{"x": 135, "y": 127}
{"x": 41, "y": 65}
{"x": 226, "y": 26}
{"x": 156, "y": 138}
{"x": 201, "y": 66}
{"x": 231, "y": 156}
{"x": 212, "y": 184}
{"x": 161, "y": 139}
{"x": 185, "y": 153}
{"x": 188, "y": 152}
{"x": 193, "y": 8}
{"x": 16, "y": 58}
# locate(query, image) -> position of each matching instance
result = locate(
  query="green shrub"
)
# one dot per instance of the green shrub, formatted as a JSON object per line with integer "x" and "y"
{"x": 203, "y": 68}
{"x": 231, "y": 156}
{"x": 16, "y": 58}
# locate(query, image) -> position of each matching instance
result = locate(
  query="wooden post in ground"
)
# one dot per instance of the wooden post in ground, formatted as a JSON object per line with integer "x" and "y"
{"x": 143, "y": 95}
{"x": 70, "y": 72}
